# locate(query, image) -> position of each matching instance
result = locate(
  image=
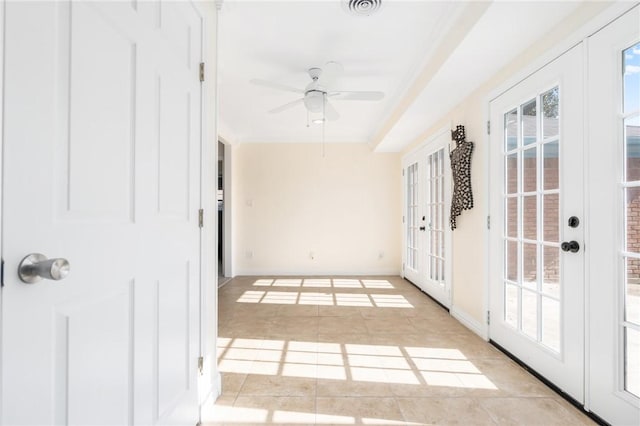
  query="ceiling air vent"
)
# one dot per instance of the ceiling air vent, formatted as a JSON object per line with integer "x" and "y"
{"x": 362, "y": 7}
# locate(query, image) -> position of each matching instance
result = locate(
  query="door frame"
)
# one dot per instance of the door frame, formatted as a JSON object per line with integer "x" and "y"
{"x": 210, "y": 381}
{"x": 600, "y": 20}
{"x": 432, "y": 145}
{"x": 227, "y": 215}
{"x": 2, "y": 11}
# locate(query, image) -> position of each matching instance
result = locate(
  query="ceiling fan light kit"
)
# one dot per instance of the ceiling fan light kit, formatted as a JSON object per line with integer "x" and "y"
{"x": 313, "y": 100}
{"x": 317, "y": 94}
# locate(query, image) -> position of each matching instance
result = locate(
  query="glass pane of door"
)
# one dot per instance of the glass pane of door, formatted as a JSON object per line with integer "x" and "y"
{"x": 531, "y": 203}
{"x": 413, "y": 199}
{"x": 435, "y": 226}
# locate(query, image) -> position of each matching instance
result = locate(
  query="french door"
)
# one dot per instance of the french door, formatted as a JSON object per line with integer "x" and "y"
{"x": 565, "y": 247}
{"x": 613, "y": 267}
{"x": 537, "y": 235}
{"x": 427, "y": 237}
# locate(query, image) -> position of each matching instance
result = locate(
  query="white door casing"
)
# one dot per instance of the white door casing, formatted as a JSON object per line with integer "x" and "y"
{"x": 607, "y": 183}
{"x": 537, "y": 314}
{"x": 426, "y": 231}
{"x": 101, "y": 158}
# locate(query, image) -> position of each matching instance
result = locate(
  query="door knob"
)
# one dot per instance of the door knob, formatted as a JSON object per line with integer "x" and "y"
{"x": 422, "y": 228}
{"x": 36, "y": 266}
{"x": 571, "y": 246}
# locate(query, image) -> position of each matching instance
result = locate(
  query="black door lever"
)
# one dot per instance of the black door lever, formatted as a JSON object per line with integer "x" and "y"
{"x": 571, "y": 246}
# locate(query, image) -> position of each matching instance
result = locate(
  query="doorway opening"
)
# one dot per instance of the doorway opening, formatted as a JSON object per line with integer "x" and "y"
{"x": 223, "y": 215}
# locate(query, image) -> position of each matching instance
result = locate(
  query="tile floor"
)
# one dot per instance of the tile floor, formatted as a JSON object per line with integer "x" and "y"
{"x": 356, "y": 350}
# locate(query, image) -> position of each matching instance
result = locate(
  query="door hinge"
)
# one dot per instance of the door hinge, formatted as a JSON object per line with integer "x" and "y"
{"x": 201, "y": 365}
{"x": 201, "y": 71}
{"x": 488, "y": 317}
{"x": 488, "y": 127}
{"x": 402, "y": 219}
{"x": 488, "y": 222}
{"x": 201, "y": 218}
{"x": 402, "y": 172}
{"x": 403, "y": 266}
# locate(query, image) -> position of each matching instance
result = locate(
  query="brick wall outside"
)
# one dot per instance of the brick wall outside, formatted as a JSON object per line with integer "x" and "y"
{"x": 633, "y": 219}
{"x": 550, "y": 231}
{"x": 551, "y": 219}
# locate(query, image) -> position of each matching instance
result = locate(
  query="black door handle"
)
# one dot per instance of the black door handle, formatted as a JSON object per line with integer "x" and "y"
{"x": 571, "y": 246}
{"x": 422, "y": 228}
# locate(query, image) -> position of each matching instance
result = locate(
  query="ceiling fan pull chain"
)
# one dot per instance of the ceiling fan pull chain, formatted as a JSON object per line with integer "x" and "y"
{"x": 324, "y": 120}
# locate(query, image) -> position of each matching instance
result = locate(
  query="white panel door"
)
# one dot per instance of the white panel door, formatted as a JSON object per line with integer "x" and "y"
{"x": 426, "y": 212}
{"x": 536, "y": 282}
{"x": 101, "y": 167}
{"x": 614, "y": 227}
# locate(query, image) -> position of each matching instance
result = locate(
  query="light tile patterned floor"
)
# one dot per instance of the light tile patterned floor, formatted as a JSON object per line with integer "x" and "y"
{"x": 356, "y": 350}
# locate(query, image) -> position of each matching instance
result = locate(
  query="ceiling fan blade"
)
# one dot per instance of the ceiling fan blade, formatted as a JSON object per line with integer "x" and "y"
{"x": 330, "y": 72}
{"x": 356, "y": 96}
{"x": 286, "y": 106}
{"x": 330, "y": 112}
{"x": 277, "y": 86}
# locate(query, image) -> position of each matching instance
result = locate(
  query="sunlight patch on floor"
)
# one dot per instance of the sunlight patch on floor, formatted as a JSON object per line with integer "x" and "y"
{"x": 365, "y": 300}
{"x": 324, "y": 283}
{"x": 355, "y": 362}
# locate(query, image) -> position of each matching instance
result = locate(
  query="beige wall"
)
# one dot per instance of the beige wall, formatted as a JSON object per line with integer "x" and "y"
{"x": 469, "y": 249}
{"x": 297, "y": 212}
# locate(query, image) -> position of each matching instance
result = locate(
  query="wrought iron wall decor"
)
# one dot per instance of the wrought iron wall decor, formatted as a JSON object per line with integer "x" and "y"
{"x": 460, "y": 157}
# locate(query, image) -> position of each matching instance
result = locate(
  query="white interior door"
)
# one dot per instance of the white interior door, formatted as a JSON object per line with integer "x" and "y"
{"x": 101, "y": 167}
{"x": 427, "y": 235}
{"x": 536, "y": 160}
{"x": 613, "y": 265}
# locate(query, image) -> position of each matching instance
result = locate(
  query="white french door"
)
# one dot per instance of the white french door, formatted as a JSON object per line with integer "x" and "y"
{"x": 536, "y": 266}
{"x": 613, "y": 265}
{"x": 427, "y": 234}
{"x": 101, "y": 167}
{"x": 414, "y": 221}
{"x": 565, "y": 285}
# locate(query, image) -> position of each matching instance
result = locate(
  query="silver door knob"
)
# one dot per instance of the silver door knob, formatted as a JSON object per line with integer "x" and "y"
{"x": 36, "y": 266}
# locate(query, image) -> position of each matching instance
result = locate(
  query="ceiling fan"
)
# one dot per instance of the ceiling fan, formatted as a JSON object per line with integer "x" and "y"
{"x": 317, "y": 95}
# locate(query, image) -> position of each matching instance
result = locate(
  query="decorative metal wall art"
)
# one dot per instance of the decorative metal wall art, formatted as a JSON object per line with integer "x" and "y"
{"x": 462, "y": 198}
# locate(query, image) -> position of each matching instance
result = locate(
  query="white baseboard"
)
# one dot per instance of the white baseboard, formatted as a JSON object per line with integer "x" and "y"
{"x": 218, "y": 385}
{"x": 470, "y": 322}
{"x": 207, "y": 407}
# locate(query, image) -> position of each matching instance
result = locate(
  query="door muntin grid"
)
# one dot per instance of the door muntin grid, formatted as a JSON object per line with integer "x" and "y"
{"x": 531, "y": 202}
{"x": 436, "y": 222}
{"x": 413, "y": 216}
{"x": 629, "y": 321}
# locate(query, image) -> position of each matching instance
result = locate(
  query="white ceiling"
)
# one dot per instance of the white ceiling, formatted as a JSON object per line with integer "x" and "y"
{"x": 388, "y": 51}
